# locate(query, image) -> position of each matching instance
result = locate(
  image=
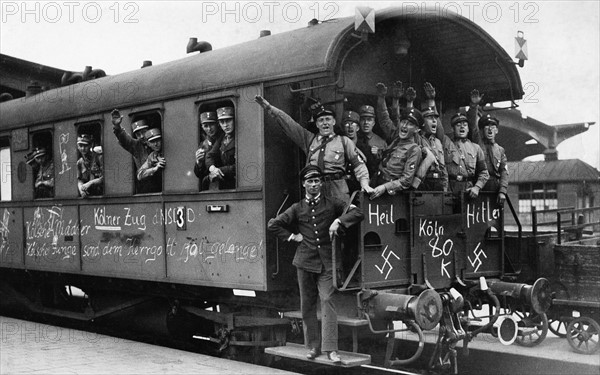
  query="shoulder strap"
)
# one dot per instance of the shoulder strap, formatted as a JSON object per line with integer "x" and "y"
{"x": 311, "y": 152}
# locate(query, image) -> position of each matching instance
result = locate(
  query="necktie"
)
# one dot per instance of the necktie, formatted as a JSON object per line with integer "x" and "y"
{"x": 490, "y": 157}
{"x": 321, "y": 159}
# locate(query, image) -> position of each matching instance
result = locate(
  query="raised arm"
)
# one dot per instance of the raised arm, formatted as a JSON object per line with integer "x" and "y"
{"x": 388, "y": 127}
{"x": 473, "y": 115}
{"x": 299, "y": 135}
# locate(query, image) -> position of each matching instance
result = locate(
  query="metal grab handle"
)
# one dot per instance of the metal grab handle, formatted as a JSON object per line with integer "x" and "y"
{"x": 277, "y": 240}
{"x": 334, "y": 245}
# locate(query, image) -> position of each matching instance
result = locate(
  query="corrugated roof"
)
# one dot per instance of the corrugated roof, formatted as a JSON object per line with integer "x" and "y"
{"x": 551, "y": 171}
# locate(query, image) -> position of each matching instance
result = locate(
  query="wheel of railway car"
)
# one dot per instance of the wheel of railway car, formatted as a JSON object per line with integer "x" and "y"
{"x": 533, "y": 328}
{"x": 582, "y": 334}
{"x": 556, "y": 322}
{"x": 558, "y": 326}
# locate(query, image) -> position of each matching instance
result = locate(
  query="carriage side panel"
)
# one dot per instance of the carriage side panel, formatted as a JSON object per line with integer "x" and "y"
{"x": 123, "y": 240}
{"x": 208, "y": 246}
{"x": 11, "y": 237}
{"x": 52, "y": 238}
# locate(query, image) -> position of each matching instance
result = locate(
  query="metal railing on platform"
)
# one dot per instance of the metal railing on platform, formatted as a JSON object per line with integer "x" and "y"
{"x": 571, "y": 220}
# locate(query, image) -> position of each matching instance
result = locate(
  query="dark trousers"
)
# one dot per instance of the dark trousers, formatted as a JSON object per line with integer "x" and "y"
{"x": 312, "y": 287}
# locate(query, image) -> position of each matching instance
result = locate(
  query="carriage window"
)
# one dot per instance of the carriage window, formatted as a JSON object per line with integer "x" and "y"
{"x": 6, "y": 182}
{"x": 90, "y": 166}
{"x": 216, "y": 155}
{"x": 148, "y": 158}
{"x": 42, "y": 164}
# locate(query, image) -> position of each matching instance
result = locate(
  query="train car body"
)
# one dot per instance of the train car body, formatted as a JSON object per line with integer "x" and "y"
{"x": 182, "y": 243}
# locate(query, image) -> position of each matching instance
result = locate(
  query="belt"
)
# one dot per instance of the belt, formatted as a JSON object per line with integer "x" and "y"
{"x": 459, "y": 178}
{"x": 433, "y": 176}
{"x": 334, "y": 176}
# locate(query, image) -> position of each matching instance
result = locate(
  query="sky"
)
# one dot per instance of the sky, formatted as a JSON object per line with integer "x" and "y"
{"x": 561, "y": 78}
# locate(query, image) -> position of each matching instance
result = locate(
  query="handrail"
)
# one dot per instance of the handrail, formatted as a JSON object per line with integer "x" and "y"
{"x": 516, "y": 217}
{"x": 576, "y": 224}
{"x": 287, "y": 195}
{"x": 334, "y": 246}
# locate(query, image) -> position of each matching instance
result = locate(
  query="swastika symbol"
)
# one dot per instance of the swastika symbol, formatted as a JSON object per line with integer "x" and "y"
{"x": 477, "y": 261}
{"x": 386, "y": 262}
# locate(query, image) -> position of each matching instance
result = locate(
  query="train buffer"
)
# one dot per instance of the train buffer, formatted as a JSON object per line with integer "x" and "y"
{"x": 298, "y": 351}
{"x": 349, "y": 359}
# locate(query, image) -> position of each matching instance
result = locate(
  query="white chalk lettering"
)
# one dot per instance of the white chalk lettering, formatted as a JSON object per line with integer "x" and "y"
{"x": 430, "y": 228}
{"x": 481, "y": 213}
{"x": 102, "y": 221}
{"x": 385, "y": 217}
{"x": 134, "y": 220}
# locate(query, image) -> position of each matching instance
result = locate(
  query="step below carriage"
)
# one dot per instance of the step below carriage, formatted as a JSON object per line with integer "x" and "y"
{"x": 423, "y": 260}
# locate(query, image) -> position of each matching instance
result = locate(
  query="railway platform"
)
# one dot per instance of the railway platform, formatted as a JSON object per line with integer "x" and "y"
{"x": 36, "y": 348}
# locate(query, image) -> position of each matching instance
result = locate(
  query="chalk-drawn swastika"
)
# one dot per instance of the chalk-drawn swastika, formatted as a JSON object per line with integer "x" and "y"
{"x": 386, "y": 262}
{"x": 477, "y": 261}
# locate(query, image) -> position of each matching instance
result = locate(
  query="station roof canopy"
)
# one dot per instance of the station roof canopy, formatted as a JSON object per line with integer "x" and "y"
{"x": 551, "y": 171}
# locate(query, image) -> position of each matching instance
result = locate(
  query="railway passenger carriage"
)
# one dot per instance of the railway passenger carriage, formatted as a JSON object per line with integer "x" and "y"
{"x": 194, "y": 247}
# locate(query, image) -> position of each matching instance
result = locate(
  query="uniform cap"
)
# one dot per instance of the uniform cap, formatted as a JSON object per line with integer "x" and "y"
{"x": 84, "y": 139}
{"x": 225, "y": 113}
{"x": 310, "y": 171}
{"x": 139, "y": 125}
{"x": 430, "y": 111}
{"x": 208, "y": 117}
{"x": 324, "y": 111}
{"x": 413, "y": 115}
{"x": 458, "y": 117}
{"x": 350, "y": 116}
{"x": 487, "y": 120}
{"x": 152, "y": 134}
{"x": 367, "y": 111}
{"x": 38, "y": 151}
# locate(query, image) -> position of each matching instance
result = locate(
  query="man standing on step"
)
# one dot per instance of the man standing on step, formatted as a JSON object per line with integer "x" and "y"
{"x": 317, "y": 219}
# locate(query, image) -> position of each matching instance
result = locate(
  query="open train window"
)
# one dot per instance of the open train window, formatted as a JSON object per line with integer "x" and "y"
{"x": 41, "y": 161}
{"x": 90, "y": 163}
{"x": 216, "y": 156}
{"x": 5, "y": 171}
{"x": 148, "y": 175}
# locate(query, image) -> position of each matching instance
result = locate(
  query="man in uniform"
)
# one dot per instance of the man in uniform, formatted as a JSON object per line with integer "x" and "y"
{"x": 313, "y": 260}
{"x": 221, "y": 158}
{"x": 496, "y": 160}
{"x": 368, "y": 142}
{"x": 150, "y": 173}
{"x": 401, "y": 158}
{"x": 465, "y": 160}
{"x": 212, "y": 133}
{"x": 43, "y": 169}
{"x": 431, "y": 169}
{"x": 90, "y": 170}
{"x": 328, "y": 151}
{"x": 350, "y": 126}
{"x": 135, "y": 145}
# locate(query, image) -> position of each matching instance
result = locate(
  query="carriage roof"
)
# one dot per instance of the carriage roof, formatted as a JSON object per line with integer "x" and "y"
{"x": 464, "y": 51}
